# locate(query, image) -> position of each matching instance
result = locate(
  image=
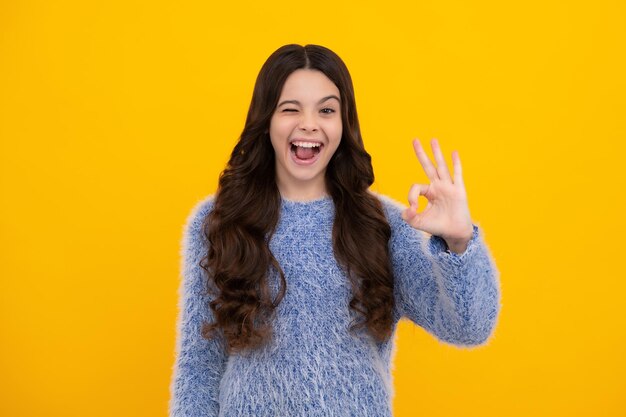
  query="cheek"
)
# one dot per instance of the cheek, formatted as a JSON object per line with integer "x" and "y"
{"x": 276, "y": 133}
{"x": 336, "y": 137}
{"x": 281, "y": 128}
{"x": 333, "y": 128}
{"x": 337, "y": 132}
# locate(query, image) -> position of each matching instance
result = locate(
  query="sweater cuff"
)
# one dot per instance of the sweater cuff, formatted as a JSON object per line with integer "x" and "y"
{"x": 438, "y": 248}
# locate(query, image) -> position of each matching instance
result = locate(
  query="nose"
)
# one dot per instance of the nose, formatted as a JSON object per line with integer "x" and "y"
{"x": 308, "y": 122}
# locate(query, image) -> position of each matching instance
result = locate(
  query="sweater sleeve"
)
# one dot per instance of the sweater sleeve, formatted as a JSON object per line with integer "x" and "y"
{"x": 199, "y": 363}
{"x": 455, "y": 297}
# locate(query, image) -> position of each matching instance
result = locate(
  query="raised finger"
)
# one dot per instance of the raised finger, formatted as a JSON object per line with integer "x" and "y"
{"x": 429, "y": 169}
{"x": 442, "y": 167}
{"x": 415, "y": 191}
{"x": 458, "y": 171}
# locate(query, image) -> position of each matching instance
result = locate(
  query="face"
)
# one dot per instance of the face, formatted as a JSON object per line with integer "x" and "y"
{"x": 305, "y": 131}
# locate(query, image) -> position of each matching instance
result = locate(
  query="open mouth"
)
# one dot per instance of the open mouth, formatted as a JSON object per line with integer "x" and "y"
{"x": 305, "y": 153}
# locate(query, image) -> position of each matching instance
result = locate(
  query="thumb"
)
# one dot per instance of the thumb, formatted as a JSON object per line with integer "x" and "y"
{"x": 412, "y": 217}
{"x": 410, "y": 214}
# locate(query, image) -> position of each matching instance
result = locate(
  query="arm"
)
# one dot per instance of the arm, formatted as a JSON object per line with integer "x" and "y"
{"x": 455, "y": 297}
{"x": 199, "y": 363}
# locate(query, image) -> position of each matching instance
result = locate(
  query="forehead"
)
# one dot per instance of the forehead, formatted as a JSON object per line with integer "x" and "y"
{"x": 306, "y": 82}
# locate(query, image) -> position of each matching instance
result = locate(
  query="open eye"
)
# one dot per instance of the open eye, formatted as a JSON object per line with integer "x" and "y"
{"x": 329, "y": 112}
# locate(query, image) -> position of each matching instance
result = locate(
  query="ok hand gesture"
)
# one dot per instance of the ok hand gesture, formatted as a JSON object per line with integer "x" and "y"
{"x": 446, "y": 214}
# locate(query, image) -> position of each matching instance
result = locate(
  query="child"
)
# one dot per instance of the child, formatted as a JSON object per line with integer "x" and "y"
{"x": 295, "y": 274}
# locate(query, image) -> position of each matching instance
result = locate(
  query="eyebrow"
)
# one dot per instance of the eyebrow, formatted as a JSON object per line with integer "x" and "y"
{"x": 319, "y": 102}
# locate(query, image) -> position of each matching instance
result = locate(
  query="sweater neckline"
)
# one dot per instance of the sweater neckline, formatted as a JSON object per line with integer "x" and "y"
{"x": 304, "y": 203}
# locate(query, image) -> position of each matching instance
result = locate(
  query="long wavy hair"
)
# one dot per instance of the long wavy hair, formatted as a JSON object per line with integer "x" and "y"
{"x": 247, "y": 207}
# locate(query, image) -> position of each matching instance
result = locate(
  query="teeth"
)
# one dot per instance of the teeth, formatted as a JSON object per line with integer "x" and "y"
{"x": 306, "y": 144}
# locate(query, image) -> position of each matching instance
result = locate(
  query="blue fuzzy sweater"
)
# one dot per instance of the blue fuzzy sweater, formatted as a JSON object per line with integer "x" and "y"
{"x": 315, "y": 367}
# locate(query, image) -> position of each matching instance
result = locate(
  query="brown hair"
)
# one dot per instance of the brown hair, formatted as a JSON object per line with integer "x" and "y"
{"x": 247, "y": 206}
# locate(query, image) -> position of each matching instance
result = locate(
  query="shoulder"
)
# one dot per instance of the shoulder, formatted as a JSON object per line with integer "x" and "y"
{"x": 199, "y": 210}
{"x": 193, "y": 235}
{"x": 392, "y": 208}
{"x": 401, "y": 231}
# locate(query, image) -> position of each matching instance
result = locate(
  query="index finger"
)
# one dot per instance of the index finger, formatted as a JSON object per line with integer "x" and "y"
{"x": 431, "y": 171}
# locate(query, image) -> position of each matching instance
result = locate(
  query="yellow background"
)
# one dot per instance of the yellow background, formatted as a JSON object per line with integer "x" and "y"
{"x": 117, "y": 117}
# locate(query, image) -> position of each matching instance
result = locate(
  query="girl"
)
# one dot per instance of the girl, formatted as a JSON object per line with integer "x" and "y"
{"x": 295, "y": 274}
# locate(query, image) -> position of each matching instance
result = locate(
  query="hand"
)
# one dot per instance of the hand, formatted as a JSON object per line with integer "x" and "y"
{"x": 446, "y": 214}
